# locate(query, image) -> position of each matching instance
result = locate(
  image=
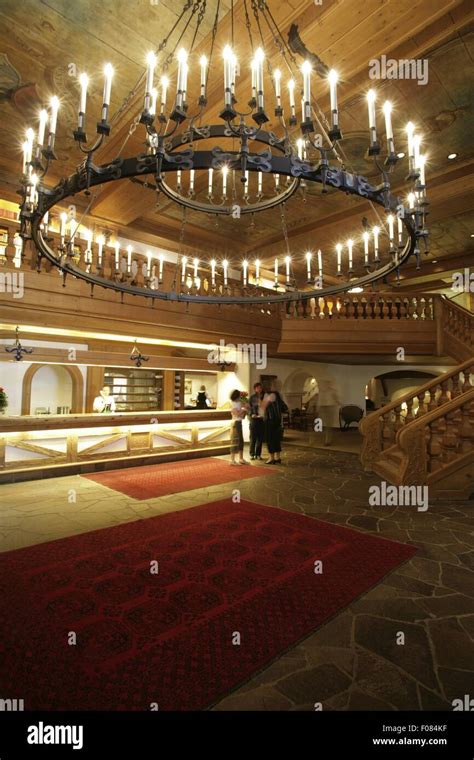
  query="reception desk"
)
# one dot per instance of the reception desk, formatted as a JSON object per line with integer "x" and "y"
{"x": 53, "y": 445}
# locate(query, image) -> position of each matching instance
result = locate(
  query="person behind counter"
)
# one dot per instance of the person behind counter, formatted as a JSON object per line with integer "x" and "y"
{"x": 238, "y": 411}
{"x": 203, "y": 401}
{"x": 104, "y": 402}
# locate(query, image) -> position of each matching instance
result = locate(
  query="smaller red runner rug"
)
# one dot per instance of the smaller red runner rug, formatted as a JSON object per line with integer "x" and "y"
{"x": 162, "y": 479}
{"x": 236, "y": 586}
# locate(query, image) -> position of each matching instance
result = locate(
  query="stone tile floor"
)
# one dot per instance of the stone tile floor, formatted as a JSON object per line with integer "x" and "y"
{"x": 353, "y": 662}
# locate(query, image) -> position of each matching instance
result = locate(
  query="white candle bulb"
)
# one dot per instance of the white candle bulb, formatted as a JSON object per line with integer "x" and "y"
{"x": 246, "y": 183}
{"x": 182, "y": 77}
{"x": 178, "y": 179}
{"x": 375, "y": 233}
{"x": 371, "y": 98}
{"x": 390, "y": 222}
{"x": 245, "y": 265}
{"x": 416, "y": 152}
{"x": 228, "y": 75}
{"x": 339, "y": 258}
{"x": 306, "y": 70}
{"x": 225, "y": 264}
{"x": 43, "y": 120}
{"x": 100, "y": 245}
{"x": 225, "y": 170}
{"x": 154, "y": 98}
{"x": 62, "y": 229}
{"x": 366, "y": 248}
{"x": 320, "y": 263}
{"x": 84, "y": 82}
{"x": 287, "y": 267}
{"x": 299, "y": 146}
{"x": 151, "y": 64}
{"x": 291, "y": 90}
{"x": 333, "y": 78}
{"x": 160, "y": 270}
{"x": 410, "y": 130}
{"x": 30, "y": 136}
{"x": 129, "y": 257}
{"x": 164, "y": 81}
{"x": 422, "y": 162}
{"x": 260, "y": 183}
{"x": 72, "y": 229}
{"x": 257, "y": 270}
{"x": 277, "y": 80}
{"x": 213, "y": 272}
{"x": 350, "y": 244}
{"x": 411, "y": 200}
{"x": 400, "y": 230}
{"x": 203, "y": 65}
{"x": 209, "y": 183}
{"x": 259, "y": 58}
{"x": 54, "y": 103}
{"x": 195, "y": 265}
{"x": 308, "y": 265}
{"x": 387, "y": 109}
{"x": 108, "y": 76}
{"x": 191, "y": 181}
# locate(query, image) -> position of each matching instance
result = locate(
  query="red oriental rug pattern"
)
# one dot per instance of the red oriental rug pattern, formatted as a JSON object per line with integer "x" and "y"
{"x": 156, "y": 480}
{"x": 167, "y": 638}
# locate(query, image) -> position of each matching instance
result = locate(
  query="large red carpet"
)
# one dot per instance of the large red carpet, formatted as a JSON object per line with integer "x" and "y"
{"x": 167, "y": 638}
{"x": 173, "y": 477}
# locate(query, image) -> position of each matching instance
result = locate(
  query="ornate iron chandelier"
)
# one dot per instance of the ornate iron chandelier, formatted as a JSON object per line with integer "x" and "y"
{"x": 227, "y": 182}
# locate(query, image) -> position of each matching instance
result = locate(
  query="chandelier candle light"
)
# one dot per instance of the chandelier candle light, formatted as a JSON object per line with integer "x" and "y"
{"x": 173, "y": 147}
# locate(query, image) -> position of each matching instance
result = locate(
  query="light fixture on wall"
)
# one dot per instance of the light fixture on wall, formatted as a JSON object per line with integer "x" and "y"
{"x": 136, "y": 356}
{"x": 17, "y": 349}
{"x": 229, "y": 181}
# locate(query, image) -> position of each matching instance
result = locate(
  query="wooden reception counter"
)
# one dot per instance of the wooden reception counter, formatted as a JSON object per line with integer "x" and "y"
{"x": 53, "y": 445}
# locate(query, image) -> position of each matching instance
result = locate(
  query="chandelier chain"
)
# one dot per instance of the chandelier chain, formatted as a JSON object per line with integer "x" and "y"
{"x": 248, "y": 26}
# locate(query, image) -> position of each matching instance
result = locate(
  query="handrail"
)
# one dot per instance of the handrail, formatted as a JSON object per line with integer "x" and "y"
{"x": 415, "y": 444}
{"x": 371, "y": 426}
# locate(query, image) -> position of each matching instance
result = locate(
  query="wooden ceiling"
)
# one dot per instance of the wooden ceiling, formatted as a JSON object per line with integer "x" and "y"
{"x": 41, "y": 40}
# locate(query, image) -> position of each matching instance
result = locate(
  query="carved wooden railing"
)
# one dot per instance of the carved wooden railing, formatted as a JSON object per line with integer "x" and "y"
{"x": 439, "y": 443}
{"x": 371, "y": 306}
{"x": 458, "y": 330}
{"x": 380, "y": 427}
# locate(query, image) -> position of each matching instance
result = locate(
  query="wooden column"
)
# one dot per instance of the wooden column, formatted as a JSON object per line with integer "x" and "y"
{"x": 95, "y": 381}
{"x": 168, "y": 389}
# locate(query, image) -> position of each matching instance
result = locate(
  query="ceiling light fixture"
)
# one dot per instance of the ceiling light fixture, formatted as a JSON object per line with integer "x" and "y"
{"x": 173, "y": 133}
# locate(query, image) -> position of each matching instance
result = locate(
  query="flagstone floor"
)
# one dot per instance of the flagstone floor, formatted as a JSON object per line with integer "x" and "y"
{"x": 353, "y": 662}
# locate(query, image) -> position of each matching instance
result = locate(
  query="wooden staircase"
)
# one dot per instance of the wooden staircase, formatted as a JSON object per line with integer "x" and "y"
{"x": 426, "y": 437}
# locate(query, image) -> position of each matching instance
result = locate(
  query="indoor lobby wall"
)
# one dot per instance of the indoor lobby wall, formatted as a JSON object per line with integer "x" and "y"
{"x": 349, "y": 380}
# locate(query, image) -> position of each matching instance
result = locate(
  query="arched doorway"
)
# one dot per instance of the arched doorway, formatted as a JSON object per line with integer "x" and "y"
{"x": 300, "y": 389}
{"x": 65, "y": 384}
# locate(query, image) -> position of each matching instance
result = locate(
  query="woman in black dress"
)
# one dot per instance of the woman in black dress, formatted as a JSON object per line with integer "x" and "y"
{"x": 274, "y": 407}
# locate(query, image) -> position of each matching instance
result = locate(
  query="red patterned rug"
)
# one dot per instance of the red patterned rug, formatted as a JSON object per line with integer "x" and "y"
{"x": 169, "y": 637}
{"x": 173, "y": 477}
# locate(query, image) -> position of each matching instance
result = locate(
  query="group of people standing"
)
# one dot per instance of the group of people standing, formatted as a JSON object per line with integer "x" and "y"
{"x": 265, "y": 411}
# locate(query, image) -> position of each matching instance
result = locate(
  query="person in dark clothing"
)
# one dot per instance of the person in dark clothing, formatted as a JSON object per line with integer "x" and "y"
{"x": 274, "y": 407}
{"x": 257, "y": 424}
{"x": 202, "y": 398}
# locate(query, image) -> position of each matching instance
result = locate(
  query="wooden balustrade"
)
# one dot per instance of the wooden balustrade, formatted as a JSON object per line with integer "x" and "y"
{"x": 439, "y": 443}
{"x": 381, "y": 427}
{"x": 458, "y": 329}
{"x": 371, "y": 306}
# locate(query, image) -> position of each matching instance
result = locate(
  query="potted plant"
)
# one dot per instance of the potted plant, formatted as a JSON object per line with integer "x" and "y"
{"x": 3, "y": 400}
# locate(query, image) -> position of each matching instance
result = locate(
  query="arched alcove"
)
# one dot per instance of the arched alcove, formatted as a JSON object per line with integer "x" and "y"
{"x": 300, "y": 389}
{"x": 388, "y": 386}
{"x": 59, "y": 372}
